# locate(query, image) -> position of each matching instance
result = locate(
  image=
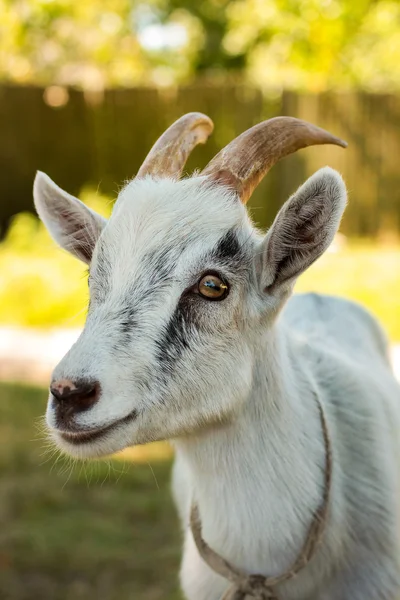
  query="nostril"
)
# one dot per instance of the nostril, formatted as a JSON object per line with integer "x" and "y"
{"x": 74, "y": 396}
{"x": 89, "y": 391}
{"x": 88, "y": 394}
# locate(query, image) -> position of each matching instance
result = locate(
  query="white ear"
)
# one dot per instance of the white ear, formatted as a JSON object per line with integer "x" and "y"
{"x": 303, "y": 229}
{"x": 74, "y": 226}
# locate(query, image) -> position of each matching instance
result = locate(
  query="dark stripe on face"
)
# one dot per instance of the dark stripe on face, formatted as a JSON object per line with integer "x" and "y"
{"x": 176, "y": 338}
{"x": 160, "y": 264}
{"x": 228, "y": 249}
{"x": 183, "y": 326}
{"x": 126, "y": 319}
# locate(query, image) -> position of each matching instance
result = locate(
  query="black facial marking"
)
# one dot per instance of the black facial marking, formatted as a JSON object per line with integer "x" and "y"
{"x": 228, "y": 249}
{"x": 159, "y": 265}
{"x": 159, "y": 268}
{"x": 185, "y": 323}
{"x": 176, "y": 338}
{"x": 127, "y": 320}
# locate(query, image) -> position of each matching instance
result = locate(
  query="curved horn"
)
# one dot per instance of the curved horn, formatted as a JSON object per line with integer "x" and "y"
{"x": 171, "y": 151}
{"x": 243, "y": 163}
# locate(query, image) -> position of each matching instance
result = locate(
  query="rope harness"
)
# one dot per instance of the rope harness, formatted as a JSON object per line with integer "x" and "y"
{"x": 258, "y": 586}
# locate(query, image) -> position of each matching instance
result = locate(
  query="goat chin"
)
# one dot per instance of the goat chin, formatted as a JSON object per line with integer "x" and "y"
{"x": 101, "y": 447}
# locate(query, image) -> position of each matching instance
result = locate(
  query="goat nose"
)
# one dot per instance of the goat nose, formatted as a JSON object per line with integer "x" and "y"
{"x": 74, "y": 396}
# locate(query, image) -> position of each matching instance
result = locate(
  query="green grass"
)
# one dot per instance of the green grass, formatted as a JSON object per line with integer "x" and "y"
{"x": 107, "y": 531}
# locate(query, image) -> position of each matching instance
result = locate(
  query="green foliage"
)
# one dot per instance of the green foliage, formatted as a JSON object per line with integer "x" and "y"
{"x": 317, "y": 45}
{"x": 105, "y": 530}
{"x": 309, "y": 44}
{"x": 62, "y": 41}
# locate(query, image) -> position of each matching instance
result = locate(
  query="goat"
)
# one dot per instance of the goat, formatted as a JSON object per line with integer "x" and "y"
{"x": 192, "y": 336}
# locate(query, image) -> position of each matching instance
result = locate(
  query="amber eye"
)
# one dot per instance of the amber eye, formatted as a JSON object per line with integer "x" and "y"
{"x": 212, "y": 287}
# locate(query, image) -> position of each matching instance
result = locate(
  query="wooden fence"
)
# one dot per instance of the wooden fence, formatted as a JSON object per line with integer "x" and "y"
{"x": 101, "y": 141}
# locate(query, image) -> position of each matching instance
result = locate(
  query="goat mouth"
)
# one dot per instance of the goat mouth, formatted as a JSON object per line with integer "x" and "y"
{"x": 86, "y": 436}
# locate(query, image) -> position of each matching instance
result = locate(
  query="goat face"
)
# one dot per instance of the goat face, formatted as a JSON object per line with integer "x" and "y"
{"x": 181, "y": 288}
{"x": 166, "y": 357}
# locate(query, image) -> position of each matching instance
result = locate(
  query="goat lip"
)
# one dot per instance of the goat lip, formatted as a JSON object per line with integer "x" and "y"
{"x": 86, "y": 436}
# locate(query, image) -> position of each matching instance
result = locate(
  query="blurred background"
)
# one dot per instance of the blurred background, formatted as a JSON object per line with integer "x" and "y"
{"x": 85, "y": 90}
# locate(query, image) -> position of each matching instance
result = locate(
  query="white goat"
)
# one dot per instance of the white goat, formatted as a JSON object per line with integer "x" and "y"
{"x": 189, "y": 337}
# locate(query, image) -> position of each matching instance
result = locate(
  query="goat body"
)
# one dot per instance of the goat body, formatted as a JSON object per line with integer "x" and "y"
{"x": 192, "y": 336}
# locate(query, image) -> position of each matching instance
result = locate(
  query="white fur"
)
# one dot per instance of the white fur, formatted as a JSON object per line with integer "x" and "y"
{"x": 239, "y": 402}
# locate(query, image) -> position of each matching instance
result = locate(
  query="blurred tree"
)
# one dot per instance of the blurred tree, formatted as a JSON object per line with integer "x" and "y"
{"x": 317, "y": 44}
{"x": 88, "y": 44}
{"x": 212, "y": 16}
{"x": 293, "y": 44}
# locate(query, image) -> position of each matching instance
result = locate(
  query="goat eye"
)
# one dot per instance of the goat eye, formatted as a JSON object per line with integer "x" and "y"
{"x": 212, "y": 287}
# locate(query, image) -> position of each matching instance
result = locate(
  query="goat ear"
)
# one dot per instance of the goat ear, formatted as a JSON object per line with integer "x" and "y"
{"x": 74, "y": 226}
{"x": 303, "y": 230}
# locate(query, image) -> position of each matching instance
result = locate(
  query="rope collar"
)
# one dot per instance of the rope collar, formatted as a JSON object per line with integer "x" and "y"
{"x": 258, "y": 586}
